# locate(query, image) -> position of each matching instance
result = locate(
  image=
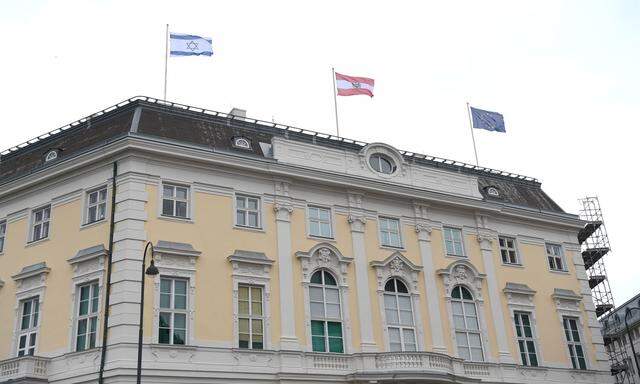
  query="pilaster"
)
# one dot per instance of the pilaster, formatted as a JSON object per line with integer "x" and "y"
{"x": 283, "y": 209}
{"x": 485, "y": 239}
{"x": 423, "y": 229}
{"x": 357, "y": 221}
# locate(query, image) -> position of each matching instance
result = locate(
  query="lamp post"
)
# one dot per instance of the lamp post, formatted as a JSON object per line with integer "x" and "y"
{"x": 151, "y": 271}
{"x": 626, "y": 325}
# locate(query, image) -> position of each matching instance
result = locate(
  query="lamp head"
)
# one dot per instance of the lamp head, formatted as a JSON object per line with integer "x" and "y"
{"x": 152, "y": 270}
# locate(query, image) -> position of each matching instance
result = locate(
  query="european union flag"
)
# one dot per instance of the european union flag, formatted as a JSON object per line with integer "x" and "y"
{"x": 490, "y": 121}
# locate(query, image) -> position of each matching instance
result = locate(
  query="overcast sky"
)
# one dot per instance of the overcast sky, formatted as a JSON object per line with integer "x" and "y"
{"x": 563, "y": 73}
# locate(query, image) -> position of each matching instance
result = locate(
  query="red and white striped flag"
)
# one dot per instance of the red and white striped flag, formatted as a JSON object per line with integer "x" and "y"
{"x": 351, "y": 85}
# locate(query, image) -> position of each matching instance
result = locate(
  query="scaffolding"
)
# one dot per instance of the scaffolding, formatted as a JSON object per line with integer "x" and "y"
{"x": 594, "y": 244}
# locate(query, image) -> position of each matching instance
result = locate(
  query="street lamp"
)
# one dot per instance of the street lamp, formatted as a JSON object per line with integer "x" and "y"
{"x": 626, "y": 325}
{"x": 151, "y": 271}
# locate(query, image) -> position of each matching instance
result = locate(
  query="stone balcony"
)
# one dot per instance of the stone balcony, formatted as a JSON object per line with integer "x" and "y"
{"x": 171, "y": 363}
{"x": 24, "y": 369}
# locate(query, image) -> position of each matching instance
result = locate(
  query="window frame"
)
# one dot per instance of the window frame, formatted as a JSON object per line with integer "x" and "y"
{"x": 466, "y": 330}
{"x": 33, "y": 223}
{"x": 563, "y": 259}
{"x": 250, "y": 316}
{"x": 93, "y": 286}
{"x": 325, "y": 319}
{"x": 31, "y": 332}
{"x": 246, "y": 211}
{"x": 399, "y": 326}
{"x": 88, "y": 205}
{"x": 462, "y": 243}
{"x": 380, "y": 156}
{"x": 571, "y": 344}
{"x": 518, "y": 260}
{"x": 519, "y": 322}
{"x": 380, "y": 230}
{"x": 239, "y": 138}
{"x": 172, "y": 311}
{"x": 3, "y": 235}
{"x": 330, "y": 221}
{"x": 188, "y": 200}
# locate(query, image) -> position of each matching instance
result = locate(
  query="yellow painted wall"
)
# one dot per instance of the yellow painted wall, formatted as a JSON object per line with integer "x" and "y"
{"x": 212, "y": 232}
{"x": 537, "y": 276}
{"x": 66, "y": 238}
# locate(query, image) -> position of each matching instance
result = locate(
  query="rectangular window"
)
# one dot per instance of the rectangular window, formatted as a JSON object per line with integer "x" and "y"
{"x": 390, "y": 232}
{"x": 3, "y": 234}
{"x": 576, "y": 352}
{"x": 508, "y": 250}
{"x": 28, "y": 326}
{"x": 250, "y": 317}
{"x": 175, "y": 201}
{"x": 248, "y": 211}
{"x": 453, "y": 241}
{"x": 326, "y": 336}
{"x": 96, "y": 205}
{"x": 320, "y": 222}
{"x": 172, "y": 324}
{"x": 555, "y": 257}
{"x": 525, "y": 339}
{"x": 40, "y": 223}
{"x": 87, "y": 321}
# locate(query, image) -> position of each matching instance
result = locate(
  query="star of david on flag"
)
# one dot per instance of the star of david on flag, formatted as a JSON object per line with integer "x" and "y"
{"x": 190, "y": 45}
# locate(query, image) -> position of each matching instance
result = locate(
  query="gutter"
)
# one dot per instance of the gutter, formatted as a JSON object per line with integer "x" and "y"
{"x": 105, "y": 329}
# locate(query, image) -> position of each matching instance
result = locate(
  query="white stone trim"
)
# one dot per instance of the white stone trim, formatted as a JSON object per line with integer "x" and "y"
{"x": 462, "y": 272}
{"x": 568, "y": 305}
{"x": 398, "y": 266}
{"x": 175, "y": 265}
{"x": 86, "y": 269}
{"x": 29, "y": 285}
{"x": 521, "y": 300}
{"x": 252, "y": 273}
{"x": 328, "y": 257}
{"x": 190, "y": 203}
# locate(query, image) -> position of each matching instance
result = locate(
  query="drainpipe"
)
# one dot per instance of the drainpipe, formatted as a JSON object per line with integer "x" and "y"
{"x": 103, "y": 354}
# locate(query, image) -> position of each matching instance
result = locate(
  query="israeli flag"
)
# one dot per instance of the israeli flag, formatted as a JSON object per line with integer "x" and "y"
{"x": 190, "y": 45}
{"x": 490, "y": 121}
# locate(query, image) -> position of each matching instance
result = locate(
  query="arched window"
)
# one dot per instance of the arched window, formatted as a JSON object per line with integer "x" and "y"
{"x": 51, "y": 155}
{"x": 399, "y": 316}
{"x": 465, "y": 319}
{"x": 326, "y": 316}
{"x": 241, "y": 142}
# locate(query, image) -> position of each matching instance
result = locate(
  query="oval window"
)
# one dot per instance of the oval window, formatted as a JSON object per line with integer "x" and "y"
{"x": 493, "y": 191}
{"x": 241, "y": 142}
{"x": 382, "y": 163}
{"x": 51, "y": 155}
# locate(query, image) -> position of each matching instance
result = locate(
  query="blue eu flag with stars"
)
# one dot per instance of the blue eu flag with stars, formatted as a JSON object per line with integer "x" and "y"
{"x": 490, "y": 121}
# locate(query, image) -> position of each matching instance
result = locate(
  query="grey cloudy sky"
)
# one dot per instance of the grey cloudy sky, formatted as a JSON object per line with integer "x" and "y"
{"x": 563, "y": 73}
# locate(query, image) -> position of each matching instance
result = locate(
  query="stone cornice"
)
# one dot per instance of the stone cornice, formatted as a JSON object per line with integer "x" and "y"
{"x": 200, "y": 155}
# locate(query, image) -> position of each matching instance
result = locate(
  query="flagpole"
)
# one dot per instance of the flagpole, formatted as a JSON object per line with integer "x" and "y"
{"x": 335, "y": 100}
{"x": 473, "y": 138}
{"x": 166, "y": 56}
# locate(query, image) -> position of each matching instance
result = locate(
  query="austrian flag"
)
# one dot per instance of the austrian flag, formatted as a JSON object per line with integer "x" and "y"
{"x": 351, "y": 85}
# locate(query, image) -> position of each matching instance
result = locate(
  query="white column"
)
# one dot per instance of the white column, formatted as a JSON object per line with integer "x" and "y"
{"x": 357, "y": 221}
{"x": 283, "y": 209}
{"x": 486, "y": 241}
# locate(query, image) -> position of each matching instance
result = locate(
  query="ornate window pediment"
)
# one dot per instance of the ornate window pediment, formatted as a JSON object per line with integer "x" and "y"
{"x": 88, "y": 260}
{"x": 566, "y": 299}
{"x": 462, "y": 272}
{"x": 324, "y": 255}
{"x": 172, "y": 255}
{"x": 519, "y": 294}
{"x": 250, "y": 264}
{"x": 32, "y": 276}
{"x": 397, "y": 265}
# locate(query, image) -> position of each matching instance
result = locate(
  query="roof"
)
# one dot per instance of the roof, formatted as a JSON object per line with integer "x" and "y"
{"x": 145, "y": 116}
{"x": 613, "y": 322}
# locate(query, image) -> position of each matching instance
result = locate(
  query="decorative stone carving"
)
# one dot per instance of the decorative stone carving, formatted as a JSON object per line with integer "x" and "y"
{"x": 397, "y": 265}
{"x": 327, "y": 256}
{"x": 385, "y": 149}
{"x": 519, "y": 295}
{"x": 462, "y": 272}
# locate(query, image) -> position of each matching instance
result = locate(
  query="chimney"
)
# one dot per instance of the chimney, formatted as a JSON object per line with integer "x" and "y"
{"x": 238, "y": 112}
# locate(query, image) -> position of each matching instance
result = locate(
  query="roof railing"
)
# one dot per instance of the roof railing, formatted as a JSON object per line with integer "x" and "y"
{"x": 283, "y": 127}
